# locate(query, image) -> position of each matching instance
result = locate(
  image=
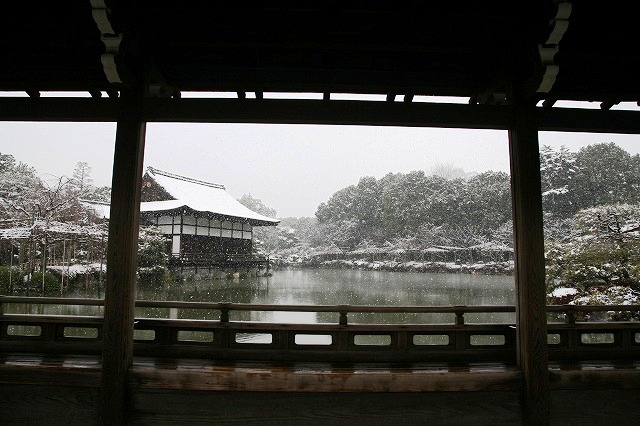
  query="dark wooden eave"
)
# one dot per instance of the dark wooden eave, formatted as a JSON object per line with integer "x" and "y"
{"x": 476, "y": 50}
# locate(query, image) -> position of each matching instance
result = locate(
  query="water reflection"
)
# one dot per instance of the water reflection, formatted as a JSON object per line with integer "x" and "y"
{"x": 323, "y": 287}
{"x": 350, "y": 287}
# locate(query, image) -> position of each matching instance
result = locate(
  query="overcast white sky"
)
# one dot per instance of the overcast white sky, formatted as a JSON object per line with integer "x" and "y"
{"x": 291, "y": 168}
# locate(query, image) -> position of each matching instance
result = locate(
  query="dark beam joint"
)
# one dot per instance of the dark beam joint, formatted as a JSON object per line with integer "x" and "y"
{"x": 259, "y": 95}
{"x": 242, "y": 95}
{"x": 408, "y": 98}
{"x": 113, "y": 94}
{"x": 33, "y": 93}
{"x": 391, "y": 97}
{"x": 606, "y": 105}
{"x": 95, "y": 94}
{"x": 548, "y": 103}
{"x": 492, "y": 98}
{"x": 156, "y": 83}
{"x": 160, "y": 90}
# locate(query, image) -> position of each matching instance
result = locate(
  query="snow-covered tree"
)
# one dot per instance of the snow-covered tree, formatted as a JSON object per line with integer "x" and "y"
{"x": 557, "y": 172}
{"x": 152, "y": 257}
{"x": 449, "y": 171}
{"x": 488, "y": 201}
{"x": 81, "y": 182}
{"x": 606, "y": 250}
{"x": 256, "y": 205}
{"x": 605, "y": 174}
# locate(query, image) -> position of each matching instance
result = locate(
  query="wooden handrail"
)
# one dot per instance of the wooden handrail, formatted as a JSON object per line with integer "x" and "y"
{"x": 456, "y": 309}
{"x": 455, "y": 340}
{"x": 266, "y": 307}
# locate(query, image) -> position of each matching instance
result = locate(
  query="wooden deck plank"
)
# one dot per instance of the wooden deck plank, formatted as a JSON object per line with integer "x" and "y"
{"x": 308, "y": 408}
{"x": 64, "y": 389}
{"x": 310, "y": 377}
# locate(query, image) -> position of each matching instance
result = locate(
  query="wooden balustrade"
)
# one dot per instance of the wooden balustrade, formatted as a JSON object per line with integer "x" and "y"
{"x": 338, "y": 341}
{"x": 217, "y": 260}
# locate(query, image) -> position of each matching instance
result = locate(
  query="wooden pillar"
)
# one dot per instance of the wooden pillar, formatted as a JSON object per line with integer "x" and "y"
{"x": 529, "y": 256}
{"x": 117, "y": 352}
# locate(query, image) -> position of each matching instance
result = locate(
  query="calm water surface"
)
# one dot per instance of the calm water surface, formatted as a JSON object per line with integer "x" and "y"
{"x": 335, "y": 287}
{"x": 326, "y": 287}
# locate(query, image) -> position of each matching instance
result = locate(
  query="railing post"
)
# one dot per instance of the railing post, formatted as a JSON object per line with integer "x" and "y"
{"x": 570, "y": 315}
{"x": 572, "y": 333}
{"x": 343, "y": 310}
{"x": 459, "y": 315}
{"x": 461, "y": 336}
{"x": 224, "y": 313}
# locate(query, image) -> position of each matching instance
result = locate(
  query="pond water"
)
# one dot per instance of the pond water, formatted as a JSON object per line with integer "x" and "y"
{"x": 325, "y": 287}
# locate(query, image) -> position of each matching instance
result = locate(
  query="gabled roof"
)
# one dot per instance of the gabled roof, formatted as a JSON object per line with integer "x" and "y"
{"x": 194, "y": 195}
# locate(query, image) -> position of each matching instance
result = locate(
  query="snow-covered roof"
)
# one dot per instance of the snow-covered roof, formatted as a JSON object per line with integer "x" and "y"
{"x": 52, "y": 227}
{"x": 435, "y": 250}
{"x": 201, "y": 197}
{"x": 100, "y": 208}
{"x": 15, "y": 233}
{"x": 490, "y": 246}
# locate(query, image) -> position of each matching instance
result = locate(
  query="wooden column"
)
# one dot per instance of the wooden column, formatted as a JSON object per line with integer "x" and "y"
{"x": 117, "y": 352}
{"x": 529, "y": 255}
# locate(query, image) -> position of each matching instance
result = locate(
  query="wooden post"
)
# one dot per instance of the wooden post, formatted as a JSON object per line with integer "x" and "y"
{"x": 122, "y": 251}
{"x": 529, "y": 255}
{"x": 11, "y": 267}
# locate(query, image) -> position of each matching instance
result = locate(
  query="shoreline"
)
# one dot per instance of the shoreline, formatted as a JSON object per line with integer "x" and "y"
{"x": 485, "y": 268}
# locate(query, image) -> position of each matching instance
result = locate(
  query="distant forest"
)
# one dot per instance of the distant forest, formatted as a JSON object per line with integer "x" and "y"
{"x": 416, "y": 210}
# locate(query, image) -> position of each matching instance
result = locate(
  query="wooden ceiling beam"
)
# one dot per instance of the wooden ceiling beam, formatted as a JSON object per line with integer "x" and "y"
{"x": 288, "y": 111}
{"x": 338, "y": 112}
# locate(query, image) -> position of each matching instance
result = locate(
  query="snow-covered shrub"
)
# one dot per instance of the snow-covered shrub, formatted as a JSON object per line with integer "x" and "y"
{"x": 614, "y": 295}
{"x": 152, "y": 257}
{"x": 9, "y": 278}
{"x": 606, "y": 250}
{"x": 51, "y": 282}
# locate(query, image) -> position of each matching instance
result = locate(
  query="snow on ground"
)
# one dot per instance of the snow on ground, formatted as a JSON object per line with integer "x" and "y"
{"x": 414, "y": 266}
{"x": 564, "y": 292}
{"x": 77, "y": 269}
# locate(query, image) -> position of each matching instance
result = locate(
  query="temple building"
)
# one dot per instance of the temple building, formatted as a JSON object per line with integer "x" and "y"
{"x": 205, "y": 226}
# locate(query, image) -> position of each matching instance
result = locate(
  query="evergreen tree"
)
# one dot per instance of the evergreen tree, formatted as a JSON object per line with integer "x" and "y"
{"x": 605, "y": 174}
{"x": 557, "y": 172}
